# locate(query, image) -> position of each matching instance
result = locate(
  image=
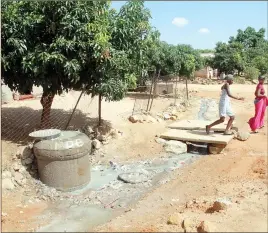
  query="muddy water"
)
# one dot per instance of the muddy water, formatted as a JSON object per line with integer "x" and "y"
{"x": 107, "y": 188}
{"x": 113, "y": 196}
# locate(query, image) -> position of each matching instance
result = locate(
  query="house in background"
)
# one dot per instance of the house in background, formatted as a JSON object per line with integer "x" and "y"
{"x": 206, "y": 72}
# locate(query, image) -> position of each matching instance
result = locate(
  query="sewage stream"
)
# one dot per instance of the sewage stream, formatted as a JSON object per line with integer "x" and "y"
{"x": 109, "y": 196}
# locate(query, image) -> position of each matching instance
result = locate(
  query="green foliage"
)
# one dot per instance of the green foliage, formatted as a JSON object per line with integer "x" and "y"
{"x": 251, "y": 73}
{"x": 247, "y": 49}
{"x": 239, "y": 80}
{"x": 206, "y": 50}
{"x": 54, "y": 44}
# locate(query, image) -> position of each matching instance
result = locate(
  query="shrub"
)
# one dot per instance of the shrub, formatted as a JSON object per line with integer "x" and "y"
{"x": 251, "y": 73}
{"x": 239, "y": 80}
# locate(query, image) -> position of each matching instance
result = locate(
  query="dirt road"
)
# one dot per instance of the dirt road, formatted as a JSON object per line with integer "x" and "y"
{"x": 240, "y": 174}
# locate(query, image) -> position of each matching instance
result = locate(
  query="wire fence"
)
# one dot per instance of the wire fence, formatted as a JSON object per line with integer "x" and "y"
{"x": 20, "y": 118}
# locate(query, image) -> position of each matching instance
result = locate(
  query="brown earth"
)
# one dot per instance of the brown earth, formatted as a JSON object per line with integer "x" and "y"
{"x": 239, "y": 173}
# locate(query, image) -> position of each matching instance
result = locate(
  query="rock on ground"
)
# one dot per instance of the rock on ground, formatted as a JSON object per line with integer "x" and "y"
{"x": 135, "y": 119}
{"x": 96, "y": 144}
{"x": 24, "y": 152}
{"x": 175, "y": 219}
{"x": 220, "y": 205}
{"x": 160, "y": 140}
{"x": 134, "y": 177}
{"x": 189, "y": 225}
{"x": 19, "y": 178}
{"x": 206, "y": 226}
{"x": 243, "y": 136}
{"x": 175, "y": 147}
{"x": 7, "y": 184}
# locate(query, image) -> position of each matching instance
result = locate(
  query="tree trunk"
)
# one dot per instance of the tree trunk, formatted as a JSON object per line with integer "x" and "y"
{"x": 187, "y": 93}
{"x": 46, "y": 101}
{"x": 154, "y": 93}
{"x": 151, "y": 89}
{"x": 176, "y": 91}
{"x": 99, "y": 109}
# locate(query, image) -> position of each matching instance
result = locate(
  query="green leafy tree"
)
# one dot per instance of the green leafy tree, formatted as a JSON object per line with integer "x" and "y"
{"x": 54, "y": 44}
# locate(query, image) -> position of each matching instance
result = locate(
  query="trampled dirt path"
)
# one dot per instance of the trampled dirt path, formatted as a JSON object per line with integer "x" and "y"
{"x": 239, "y": 174}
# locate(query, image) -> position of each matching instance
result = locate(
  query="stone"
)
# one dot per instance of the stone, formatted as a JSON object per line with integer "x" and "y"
{"x": 88, "y": 129}
{"x": 19, "y": 178}
{"x": 134, "y": 177}
{"x": 96, "y": 144}
{"x": 206, "y": 226}
{"x": 255, "y": 81}
{"x": 242, "y": 136}
{"x": 188, "y": 225}
{"x": 166, "y": 116}
{"x": 16, "y": 167}
{"x": 24, "y": 152}
{"x": 135, "y": 119}
{"x": 27, "y": 161}
{"x": 175, "y": 219}
{"x": 220, "y": 205}
{"x": 160, "y": 140}
{"x": 173, "y": 118}
{"x": 7, "y": 184}
{"x": 175, "y": 147}
{"x": 6, "y": 174}
{"x": 115, "y": 134}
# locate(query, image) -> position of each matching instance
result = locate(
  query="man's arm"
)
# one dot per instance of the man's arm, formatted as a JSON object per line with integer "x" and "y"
{"x": 229, "y": 93}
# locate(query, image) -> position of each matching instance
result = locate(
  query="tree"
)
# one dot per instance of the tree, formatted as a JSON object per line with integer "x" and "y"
{"x": 57, "y": 45}
{"x": 247, "y": 49}
{"x": 130, "y": 29}
{"x": 190, "y": 61}
{"x": 249, "y": 38}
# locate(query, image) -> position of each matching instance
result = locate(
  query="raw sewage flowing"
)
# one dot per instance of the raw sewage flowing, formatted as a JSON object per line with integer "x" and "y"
{"x": 113, "y": 188}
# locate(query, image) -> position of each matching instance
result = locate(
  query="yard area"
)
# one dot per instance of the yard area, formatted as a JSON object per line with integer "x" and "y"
{"x": 239, "y": 173}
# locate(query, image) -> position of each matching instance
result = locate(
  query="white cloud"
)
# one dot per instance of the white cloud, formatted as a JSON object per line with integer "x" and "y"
{"x": 180, "y": 22}
{"x": 203, "y": 30}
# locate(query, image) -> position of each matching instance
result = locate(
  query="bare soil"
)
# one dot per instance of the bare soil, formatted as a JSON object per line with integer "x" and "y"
{"x": 239, "y": 173}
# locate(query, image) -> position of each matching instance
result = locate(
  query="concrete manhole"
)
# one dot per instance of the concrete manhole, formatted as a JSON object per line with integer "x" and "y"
{"x": 134, "y": 177}
{"x": 45, "y": 134}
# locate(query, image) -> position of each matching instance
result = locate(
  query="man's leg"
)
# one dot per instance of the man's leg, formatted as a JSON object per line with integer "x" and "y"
{"x": 229, "y": 124}
{"x": 217, "y": 122}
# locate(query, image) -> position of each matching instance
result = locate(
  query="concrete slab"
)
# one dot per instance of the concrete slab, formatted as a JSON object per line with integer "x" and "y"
{"x": 196, "y": 136}
{"x": 196, "y": 125}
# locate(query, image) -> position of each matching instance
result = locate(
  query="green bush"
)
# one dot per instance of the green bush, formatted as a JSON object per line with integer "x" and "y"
{"x": 239, "y": 80}
{"x": 251, "y": 73}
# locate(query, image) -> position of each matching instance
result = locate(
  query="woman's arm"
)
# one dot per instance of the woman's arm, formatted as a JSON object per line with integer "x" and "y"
{"x": 259, "y": 93}
{"x": 230, "y": 95}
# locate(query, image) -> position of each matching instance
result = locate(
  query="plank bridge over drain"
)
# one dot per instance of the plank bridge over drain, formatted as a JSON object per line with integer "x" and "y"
{"x": 194, "y": 131}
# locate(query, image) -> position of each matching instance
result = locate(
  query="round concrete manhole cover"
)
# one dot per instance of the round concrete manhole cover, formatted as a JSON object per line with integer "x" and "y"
{"x": 45, "y": 134}
{"x": 134, "y": 177}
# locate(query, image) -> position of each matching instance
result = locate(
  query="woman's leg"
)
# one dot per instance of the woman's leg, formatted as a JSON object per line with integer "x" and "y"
{"x": 255, "y": 122}
{"x": 229, "y": 124}
{"x": 264, "y": 105}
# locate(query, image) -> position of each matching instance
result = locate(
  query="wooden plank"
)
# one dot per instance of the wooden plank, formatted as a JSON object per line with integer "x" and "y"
{"x": 196, "y": 125}
{"x": 196, "y": 136}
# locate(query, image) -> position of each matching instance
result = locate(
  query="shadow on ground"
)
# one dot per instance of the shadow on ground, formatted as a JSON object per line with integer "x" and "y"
{"x": 17, "y": 123}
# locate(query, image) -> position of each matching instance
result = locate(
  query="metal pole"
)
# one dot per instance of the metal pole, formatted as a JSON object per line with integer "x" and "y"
{"x": 73, "y": 110}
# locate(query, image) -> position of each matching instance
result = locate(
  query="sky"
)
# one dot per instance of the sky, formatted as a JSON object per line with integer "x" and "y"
{"x": 204, "y": 23}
